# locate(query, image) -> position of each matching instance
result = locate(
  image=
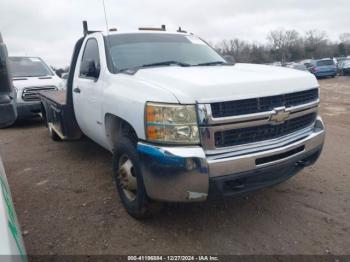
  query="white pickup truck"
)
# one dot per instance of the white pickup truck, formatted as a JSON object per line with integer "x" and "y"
{"x": 182, "y": 123}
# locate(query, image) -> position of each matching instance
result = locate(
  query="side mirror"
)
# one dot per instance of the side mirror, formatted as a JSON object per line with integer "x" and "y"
{"x": 230, "y": 59}
{"x": 59, "y": 73}
{"x": 90, "y": 69}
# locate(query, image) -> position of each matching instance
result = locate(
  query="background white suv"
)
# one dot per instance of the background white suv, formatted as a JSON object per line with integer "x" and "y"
{"x": 31, "y": 75}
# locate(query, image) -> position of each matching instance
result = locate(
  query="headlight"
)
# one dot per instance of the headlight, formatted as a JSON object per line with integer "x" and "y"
{"x": 168, "y": 123}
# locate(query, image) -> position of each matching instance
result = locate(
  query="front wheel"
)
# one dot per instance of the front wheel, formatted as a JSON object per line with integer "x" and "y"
{"x": 129, "y": 181}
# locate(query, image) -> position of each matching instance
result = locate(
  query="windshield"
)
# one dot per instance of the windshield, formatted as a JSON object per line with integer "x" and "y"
{"x": 129, "y": 51}
{"x": 325, "y": 62}
{"x": 28, "y": 67}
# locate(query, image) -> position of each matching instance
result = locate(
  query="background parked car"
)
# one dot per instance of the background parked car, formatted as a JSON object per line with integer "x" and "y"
{"x": 31, "y": 75}
{"x": 307, "y": 64}
{"x": 276, "y": 64}
{"x": 323, "y": 67}
{"x": 344, "y": 67}
{"x": 297, "y": 66}
{"x": 340, "y": 59}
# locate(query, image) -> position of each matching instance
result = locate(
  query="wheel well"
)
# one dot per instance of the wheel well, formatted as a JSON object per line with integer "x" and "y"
{"x": 117, "y": 127}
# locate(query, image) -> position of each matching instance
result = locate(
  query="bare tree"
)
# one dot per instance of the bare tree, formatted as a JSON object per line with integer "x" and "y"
{"x": 277, "y": 42}
{"x": 344, "y": 45}
{"x": 345, "y": 38}
{"x": 286, "y": 45}
{"x": 237, "y": 48}
{"x": 315, "y": 43}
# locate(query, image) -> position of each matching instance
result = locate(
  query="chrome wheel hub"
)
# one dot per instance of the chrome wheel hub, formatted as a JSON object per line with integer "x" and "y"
{"x": 127, "y": 177}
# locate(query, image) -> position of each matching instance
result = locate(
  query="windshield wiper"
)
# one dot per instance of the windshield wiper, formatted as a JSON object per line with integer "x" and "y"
{"x": 133, "y": 70}
{"x": 214, "y": 63}
{"x": 165, "y": 63}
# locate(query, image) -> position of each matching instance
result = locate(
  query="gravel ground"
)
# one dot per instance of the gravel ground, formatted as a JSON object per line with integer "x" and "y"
{"x": 67, "y": 203}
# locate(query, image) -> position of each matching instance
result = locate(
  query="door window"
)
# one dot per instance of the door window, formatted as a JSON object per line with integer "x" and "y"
{"x": 91, "y": 55}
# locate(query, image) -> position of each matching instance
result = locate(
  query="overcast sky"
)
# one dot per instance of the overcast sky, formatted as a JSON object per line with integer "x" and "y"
{"x": 49, "y": 28}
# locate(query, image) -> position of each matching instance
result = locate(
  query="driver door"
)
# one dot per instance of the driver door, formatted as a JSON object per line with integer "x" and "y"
{"x": 87, "y": 90}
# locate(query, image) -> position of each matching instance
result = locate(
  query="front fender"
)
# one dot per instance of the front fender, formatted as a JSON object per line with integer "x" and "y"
{"x": 125, "y": 97}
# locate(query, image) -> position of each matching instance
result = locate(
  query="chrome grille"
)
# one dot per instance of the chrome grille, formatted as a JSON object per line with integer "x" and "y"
{"x": 244, "y": 129}
{"x": 31, "y": 93}
{"x": 262, "y": 104}
{"x": 254, "y": 134}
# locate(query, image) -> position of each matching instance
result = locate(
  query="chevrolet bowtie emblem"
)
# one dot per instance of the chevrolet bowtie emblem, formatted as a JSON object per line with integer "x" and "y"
{"x": 280, "y": 115}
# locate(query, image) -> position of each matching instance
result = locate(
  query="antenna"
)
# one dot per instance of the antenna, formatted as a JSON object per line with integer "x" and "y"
{"x": 104, "y": 9}
{"x": 85, "y": 28}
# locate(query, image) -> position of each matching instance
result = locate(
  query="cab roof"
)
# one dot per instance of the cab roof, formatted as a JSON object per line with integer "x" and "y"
{"x": 141, "y": 30}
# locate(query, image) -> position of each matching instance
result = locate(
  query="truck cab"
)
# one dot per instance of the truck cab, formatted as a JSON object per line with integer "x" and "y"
{"x": 182, "y": 123}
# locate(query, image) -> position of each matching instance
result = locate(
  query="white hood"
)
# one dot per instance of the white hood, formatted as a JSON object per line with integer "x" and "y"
{"x": 23, "y": 82}
{"x": 205, "y": 84}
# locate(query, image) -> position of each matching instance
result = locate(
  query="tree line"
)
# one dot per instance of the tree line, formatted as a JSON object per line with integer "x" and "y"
{"x": 286, "y": 46}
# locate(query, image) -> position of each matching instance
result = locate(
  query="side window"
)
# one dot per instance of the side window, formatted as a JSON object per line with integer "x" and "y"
{"x": 90, "y": 63}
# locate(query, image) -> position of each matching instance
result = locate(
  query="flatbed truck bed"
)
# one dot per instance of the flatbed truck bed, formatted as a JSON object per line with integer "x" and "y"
{"x": 58, "y": 97}
{"x": 59, "y": 115}
{"x": 58, "y": 109}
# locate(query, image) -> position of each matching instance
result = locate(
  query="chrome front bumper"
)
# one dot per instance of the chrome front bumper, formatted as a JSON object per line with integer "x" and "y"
{"x": 184, "y": 174}
{"x": 28, "y": 109}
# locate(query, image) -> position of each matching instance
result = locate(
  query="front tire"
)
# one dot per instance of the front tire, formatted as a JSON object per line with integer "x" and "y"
{"x": 129, "y": 181}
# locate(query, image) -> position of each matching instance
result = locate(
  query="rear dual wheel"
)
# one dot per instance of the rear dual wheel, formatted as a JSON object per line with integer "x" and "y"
{"x": 53, "y": 134}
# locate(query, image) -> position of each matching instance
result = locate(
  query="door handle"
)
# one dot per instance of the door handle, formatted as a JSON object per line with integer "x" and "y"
{"x": 76, "y": 90}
